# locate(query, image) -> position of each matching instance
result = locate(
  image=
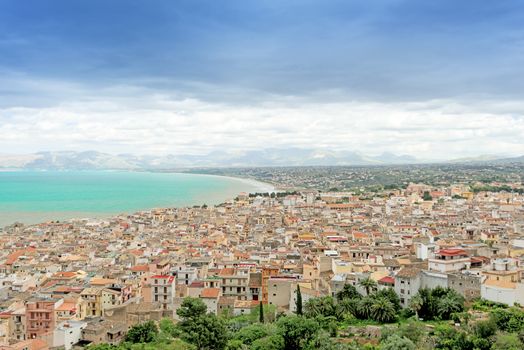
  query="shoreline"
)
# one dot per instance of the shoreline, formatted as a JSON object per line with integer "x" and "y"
{"x": 63, "y": 216}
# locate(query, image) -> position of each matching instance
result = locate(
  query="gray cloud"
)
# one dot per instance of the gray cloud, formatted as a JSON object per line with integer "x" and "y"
{"x": 134, "y": 119}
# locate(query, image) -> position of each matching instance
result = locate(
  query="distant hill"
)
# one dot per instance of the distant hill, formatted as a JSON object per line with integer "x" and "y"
{"x": 492, "y": 159}
{"x": 92, "y": 160}
{"x": 510, "y": 160}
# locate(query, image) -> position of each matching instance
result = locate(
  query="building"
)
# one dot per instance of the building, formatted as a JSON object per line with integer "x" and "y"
{"x": 40, "y": 317}
{"x": 407, "y": 284}
{"x": 163, "y": 290}
{"x": 449, "y": 260}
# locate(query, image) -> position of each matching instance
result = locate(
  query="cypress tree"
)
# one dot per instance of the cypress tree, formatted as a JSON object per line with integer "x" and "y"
{"x": 261, "y": 312}
{"x": 299, "y": 301}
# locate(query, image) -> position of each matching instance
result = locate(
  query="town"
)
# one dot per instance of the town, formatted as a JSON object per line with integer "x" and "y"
{"x": 86, "y": 282}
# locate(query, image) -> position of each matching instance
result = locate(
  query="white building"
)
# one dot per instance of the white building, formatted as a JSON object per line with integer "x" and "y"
{"x": 68, "y": 333}
{"x": 449, "y": 260}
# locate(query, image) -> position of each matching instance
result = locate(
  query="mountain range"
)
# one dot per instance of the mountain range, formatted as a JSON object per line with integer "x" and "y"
{"x": 93, "y": 160}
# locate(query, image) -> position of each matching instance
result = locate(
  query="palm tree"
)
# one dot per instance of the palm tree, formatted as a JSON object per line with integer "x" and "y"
{"x": 348, "y": 292}
{"x": 415, "y": 304}
{"x": 313, "y": 308}
{"x": 382, "y": 310}
{"x": 368, "y": 284}
{"x": 347, "y": 307}
{"x": 324, "y": 306}
{"x": 449, "y": 304}
{"x": 364, "y": 307}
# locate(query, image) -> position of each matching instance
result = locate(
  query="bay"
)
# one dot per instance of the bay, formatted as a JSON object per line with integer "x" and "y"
{"x": 36, "y": 196}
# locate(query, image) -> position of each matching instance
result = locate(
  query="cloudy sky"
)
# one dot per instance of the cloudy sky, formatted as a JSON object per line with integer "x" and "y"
{"x": 433, "y": 79}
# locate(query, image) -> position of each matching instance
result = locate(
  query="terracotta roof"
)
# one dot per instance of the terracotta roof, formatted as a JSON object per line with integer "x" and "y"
{"x": 197, "y": 284}
{"x": 408, "y": 272}
{"x": 211, "y": 293}
{"x": 66, "y": 306}
{"x": 452, "y": 252}
{"x": 66, "y": 274}
{"x": 11, "y": 258}
{"x": 387, "y": 280}
{"x": 246, "y": 304}
{"x": 228, "y": 271}
{"x": 140, "y": 268}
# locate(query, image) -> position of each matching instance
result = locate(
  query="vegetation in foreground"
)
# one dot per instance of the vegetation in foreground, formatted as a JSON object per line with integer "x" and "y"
{"x": 436, "y": 319}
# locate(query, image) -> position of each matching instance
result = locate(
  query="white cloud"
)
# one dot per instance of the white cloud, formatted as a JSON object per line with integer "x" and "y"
{"x": 131, "y": 119}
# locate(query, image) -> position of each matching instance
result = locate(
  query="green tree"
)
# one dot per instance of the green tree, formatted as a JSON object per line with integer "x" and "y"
{"x": 261, "y": 312}
{"x": 450, "y": 338}
{"x": 191, "y": 308}
{"x": 206, "y": 332}
{"x": 414, "y": 330}
{"x": 328, "y": 324}
{"x": 273, "y": 342}
{"x": 392, "y": 296}
{"x": 449, "y": 304}
{"x": 382, "y": 310}
{"x": 324, "y": 306}
{"x": 364, "y": 308}
{"x": 395, "y": 342}
{"x": 322, "y": 340}
{"x": 508, "y": 320}
{"x": 168, "y": 328}
{"x": 296, "y": 331}
{"x": 416, "y": 303}
{"x": 507, "y": 341}
{"x": 485, "y": 329}
{"x": 346, "y": 307}
{"x": 235, "y": 344}
{"x": 142, "y": 333}
{"x": 348, "y": 292}
{"x": 299, "y": 301}
{"x": 368, "y": 284}
{"x": 249, "y": 334}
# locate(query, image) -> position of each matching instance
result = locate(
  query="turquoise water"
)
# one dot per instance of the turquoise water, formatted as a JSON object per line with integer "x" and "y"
{"x": 35, "y": 196}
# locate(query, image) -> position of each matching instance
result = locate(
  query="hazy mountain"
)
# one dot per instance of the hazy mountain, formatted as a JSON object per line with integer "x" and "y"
{"x": 92, "y": 160}
{"x": 493, "y": 159}
{"x": 481, "y": 158}
{"x": 78, "y": 161}
{"x": 510, "y": 160}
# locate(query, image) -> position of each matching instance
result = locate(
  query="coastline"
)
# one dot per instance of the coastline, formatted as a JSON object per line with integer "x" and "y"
{"x": 38, "y": 217}
{"x": 262, "y": 186}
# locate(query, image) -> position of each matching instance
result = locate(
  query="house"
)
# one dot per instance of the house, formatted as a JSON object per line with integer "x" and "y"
{"x": 99, "y": 331}
{"x": 279, "y": 291}
{"x": 163, "y": 290}
{"x": 68, "y": 333}
{"x": 210, "y": 297}
{"x": 466, "y": 283}
{"x": 307, "y": 294}
{"x": 407, "y": 284}
{"x": 449, "y": 260}
{"x": 503, "y": 282}
{"x": 40, "y": 317}
{"x": 93, "y": 301}
{"x": 244, "y": 307}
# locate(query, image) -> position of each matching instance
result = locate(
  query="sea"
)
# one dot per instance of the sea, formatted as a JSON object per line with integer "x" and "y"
{"x": 37, "y": 196}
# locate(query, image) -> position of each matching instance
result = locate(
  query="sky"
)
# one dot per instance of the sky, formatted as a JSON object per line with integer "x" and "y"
{"x": 432, "y": 79}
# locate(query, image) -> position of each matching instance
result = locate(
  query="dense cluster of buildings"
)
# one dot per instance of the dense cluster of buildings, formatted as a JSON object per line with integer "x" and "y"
{"x": 64, "y": 285}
